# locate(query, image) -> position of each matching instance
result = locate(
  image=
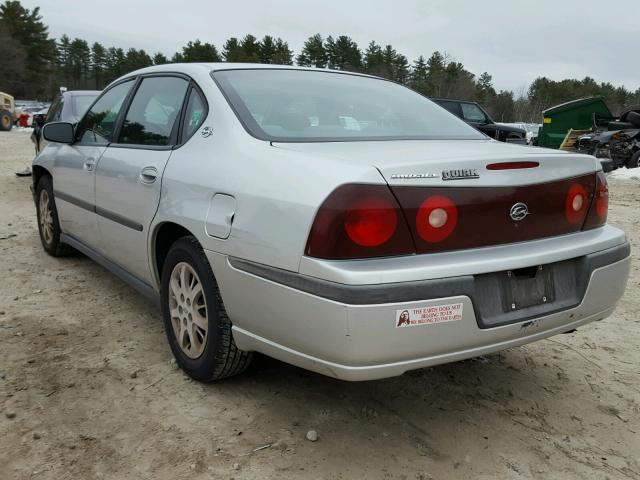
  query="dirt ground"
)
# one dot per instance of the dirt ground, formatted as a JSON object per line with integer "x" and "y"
{"x": 88, "y": 388}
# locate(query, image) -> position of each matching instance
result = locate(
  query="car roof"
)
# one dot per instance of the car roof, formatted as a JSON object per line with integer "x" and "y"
{"x": 194, "y": 68}
{"x": 77, "y": 93}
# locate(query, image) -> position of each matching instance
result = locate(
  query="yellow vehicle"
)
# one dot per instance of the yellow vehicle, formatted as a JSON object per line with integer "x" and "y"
{"x": 8, "y": 114}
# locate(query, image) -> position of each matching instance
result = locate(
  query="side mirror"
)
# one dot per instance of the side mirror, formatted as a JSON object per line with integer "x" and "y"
{"x": 59, "y": 132}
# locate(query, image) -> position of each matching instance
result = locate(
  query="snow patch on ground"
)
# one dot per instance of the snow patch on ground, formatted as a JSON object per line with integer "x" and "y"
{"x": 626, "y": 173}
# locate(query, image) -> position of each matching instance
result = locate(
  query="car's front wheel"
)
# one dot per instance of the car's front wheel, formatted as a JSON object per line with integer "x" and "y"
{"x": 48, "y": 224}
{"x": 195, "y": 320}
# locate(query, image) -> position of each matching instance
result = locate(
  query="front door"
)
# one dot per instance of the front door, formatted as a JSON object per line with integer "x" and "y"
{"x": 75, "y": 166}
{"x": 129, "y": 174}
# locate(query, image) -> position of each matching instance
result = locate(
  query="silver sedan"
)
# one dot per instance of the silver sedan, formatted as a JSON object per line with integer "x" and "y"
{"x": 339, "y": 222}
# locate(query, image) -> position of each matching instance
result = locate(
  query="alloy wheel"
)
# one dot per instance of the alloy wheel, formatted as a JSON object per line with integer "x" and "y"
{"x": 188, "y": 310}
{"x": 46, "y": 217}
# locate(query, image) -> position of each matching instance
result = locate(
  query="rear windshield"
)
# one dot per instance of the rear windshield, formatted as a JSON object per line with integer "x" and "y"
{"x": 81, "y": 104}
{"x": 311, "y": 106}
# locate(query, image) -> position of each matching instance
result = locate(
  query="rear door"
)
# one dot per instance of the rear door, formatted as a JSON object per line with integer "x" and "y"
{"x": 128, "y": 178}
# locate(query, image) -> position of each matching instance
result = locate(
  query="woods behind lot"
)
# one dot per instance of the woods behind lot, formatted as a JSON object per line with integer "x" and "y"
{"x": 34, "y": 65}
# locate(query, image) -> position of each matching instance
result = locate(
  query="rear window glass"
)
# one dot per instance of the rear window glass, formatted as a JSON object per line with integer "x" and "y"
{"x": 298, "y": 105}
{"x": 81, "y": 103}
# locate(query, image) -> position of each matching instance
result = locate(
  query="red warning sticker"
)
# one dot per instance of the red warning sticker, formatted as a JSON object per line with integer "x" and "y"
{"x": 411, "y": 317}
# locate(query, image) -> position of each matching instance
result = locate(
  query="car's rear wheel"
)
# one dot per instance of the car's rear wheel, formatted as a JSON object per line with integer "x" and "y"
{"x": 48, "y": 224}
{"x": 6, "y": 122}
{"x": 196, "y": 322}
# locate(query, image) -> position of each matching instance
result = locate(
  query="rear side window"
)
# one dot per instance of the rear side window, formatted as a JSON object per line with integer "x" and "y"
{"x": 153, "y": 112}
{"x": 97, "y": 126}
{"x": 194, "y": 114}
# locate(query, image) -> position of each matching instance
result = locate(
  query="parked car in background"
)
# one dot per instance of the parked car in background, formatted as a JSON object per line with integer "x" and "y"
{"x": 531, "y": 130}
{"x": 339, "y": 222}
{"x": 68, "y": 106}
{"x": 474, "y": 115}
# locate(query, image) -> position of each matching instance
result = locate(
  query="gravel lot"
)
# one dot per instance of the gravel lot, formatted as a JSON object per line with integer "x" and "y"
{"x": 88, "y": 388}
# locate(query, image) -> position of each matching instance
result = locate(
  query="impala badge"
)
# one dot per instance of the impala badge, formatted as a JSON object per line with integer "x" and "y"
{"x": 460, "y": 174}
{"x": 519, "y": 211}
{"x": 206, "y": 132}
{"x": 411, "y": 176}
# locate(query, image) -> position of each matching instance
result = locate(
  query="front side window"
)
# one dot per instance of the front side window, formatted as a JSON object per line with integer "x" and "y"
{"x": 473, "y": 113}
{"x": 298, "y": 106}
{"x": 154, "y": 111}
{"x": 194, "y": 114}
{"x": 98, "y": 125}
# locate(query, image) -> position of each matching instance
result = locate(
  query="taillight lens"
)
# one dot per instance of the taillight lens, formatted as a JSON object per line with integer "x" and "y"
{"x": 371, "y": 221}
{"x": 359, "y": 221}
{"x": 576, "y": 204}
{"x": 436, "y": 219}
{"x": 597, "y": 215}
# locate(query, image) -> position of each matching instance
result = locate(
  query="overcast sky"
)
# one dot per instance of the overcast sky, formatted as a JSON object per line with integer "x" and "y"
{"x": 515, "y": 41}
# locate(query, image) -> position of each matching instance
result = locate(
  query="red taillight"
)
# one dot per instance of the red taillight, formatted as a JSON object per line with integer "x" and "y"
{"x": 576, "y": 203}
{"x": 436, "y": 219}
{"x": 597, "y": 215}
{"x": 359, "y": 221}
{"x": 371, "y": 221}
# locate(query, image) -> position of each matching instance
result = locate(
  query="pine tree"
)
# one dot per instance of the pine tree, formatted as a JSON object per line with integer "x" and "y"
{"x": 98, "y": 64}
{"x": 313, "y": 53}
{"x": 250, "y": 49}
{"x": 136, "y": 59}
{"x": 436, "y": 66}
{"x": 418, "y": 76}
{"x": 63, "y": 60}
{"x": 114, "y": 63}
{"x": 343, "y": 54}
{"x": 484, "y": 89}
{"x": 28, "y": 31}
{"x": 13, "y": 61}
{"x": 267, "y": 49}
{"x": 198, "y": 52}
{"x": 160, "y": 59}
{"x": 374, "y": 60}
{"x": 283, "y": 54}
{"x": 231, "y": 51}
{"x": 80, "y": 61}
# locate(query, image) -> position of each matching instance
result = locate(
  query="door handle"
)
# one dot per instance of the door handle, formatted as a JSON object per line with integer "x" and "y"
{"x": 148, "y": 175}
{"x": 90, "y": 164}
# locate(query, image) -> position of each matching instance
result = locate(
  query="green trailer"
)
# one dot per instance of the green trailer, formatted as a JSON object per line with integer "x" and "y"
{"x": 576, "y": 115}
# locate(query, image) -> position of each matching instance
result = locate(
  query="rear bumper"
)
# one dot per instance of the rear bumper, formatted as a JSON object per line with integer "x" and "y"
{"x": 350, "y": 332}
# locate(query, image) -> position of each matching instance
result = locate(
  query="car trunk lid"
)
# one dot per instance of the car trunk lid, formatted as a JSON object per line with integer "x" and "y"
{"x": 466, "y": 194}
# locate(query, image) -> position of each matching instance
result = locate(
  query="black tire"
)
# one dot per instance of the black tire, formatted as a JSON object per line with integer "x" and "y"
{"x": 51, "y": 241}
{"x": 634, "y": 161}
{"x": 6, "y": 121}
{"x": 633, "y": 118}
{"x": 220, "y": 357}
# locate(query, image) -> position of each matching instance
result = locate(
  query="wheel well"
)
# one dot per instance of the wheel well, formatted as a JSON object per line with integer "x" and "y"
{"x": 38, "y": 172}
{"x": 166, "y": 236}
